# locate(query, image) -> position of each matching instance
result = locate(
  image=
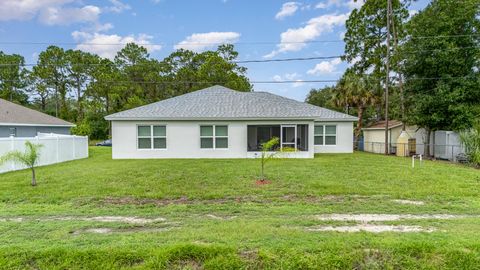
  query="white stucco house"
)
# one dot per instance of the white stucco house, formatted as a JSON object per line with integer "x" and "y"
{"x": 218, "y": 122}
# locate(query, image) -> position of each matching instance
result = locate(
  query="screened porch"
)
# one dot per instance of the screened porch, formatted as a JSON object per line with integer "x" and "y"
{"x": 291, "y": 136}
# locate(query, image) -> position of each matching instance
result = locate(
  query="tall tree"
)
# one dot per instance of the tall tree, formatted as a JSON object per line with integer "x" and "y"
{"x": 79, "y": 67}
{"x": 441, "y": 66}
{"x": 365, "y": 39}
{"x": 13, "y": 78}
{"x": 359, "y": 92}
{"x": 52, "y": 69}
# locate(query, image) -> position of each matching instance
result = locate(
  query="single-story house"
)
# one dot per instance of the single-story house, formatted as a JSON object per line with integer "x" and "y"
{"x": 218, "y": 122}
{"x": 19, "y": 121}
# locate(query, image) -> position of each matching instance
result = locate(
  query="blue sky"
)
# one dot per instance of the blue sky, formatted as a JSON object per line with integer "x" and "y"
{"x": 163, "y": 25}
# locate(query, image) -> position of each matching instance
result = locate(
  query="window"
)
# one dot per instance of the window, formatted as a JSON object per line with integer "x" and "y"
{"x": 214, "y": 137}
{"x": 13, "y": 132}
{"x": 325, "y": 135}
{"x": 152, "y": 137}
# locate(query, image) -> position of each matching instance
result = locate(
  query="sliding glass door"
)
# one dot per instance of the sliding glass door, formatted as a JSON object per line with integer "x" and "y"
{"x": 288, "y": 136}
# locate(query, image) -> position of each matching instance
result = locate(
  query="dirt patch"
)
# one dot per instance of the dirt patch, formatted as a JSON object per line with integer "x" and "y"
{"x": 12, "y": 219}
{"x": 385, "y": 217}
{"x": 409, "y": 202}
{"x": 178, "y": 201}
{"x": 212, "y": 216}
{"x": 120, "y": 219}
{"x": 371, "y": 228}
{"x": 262, "y": 182}
{"x": 120, "y": 230}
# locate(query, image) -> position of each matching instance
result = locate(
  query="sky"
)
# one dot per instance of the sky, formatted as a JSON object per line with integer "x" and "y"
{"x": 260, "y": 29}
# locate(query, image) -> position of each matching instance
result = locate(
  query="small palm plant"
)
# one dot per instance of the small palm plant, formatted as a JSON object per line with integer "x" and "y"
{"x": 29, "y": 158}
{"x": 269, "y": 152}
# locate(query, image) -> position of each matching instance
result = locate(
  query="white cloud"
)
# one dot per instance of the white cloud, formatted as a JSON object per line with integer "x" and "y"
{"x": 350, "y": 4}
{"x": 24, "y": 10}
{"x": 325, "y": 67}
{"x": 293, "y": 39}
{"x": 288, "y": 9}
{"x": 203, "y": 41}
{"x": 66, "y": 16}
{"x": 117, "y": 6}
{"x": 355, "y": 4}
{"x": 108, "y": 45}
{"x": 290, "y": 77}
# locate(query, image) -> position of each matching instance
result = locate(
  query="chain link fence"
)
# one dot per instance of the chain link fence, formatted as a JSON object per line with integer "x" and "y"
{"x": 454, "y": 153}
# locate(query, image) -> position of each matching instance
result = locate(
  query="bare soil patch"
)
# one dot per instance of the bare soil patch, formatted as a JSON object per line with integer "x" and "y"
{"x": 122, "y": 230}
{"x": 385, "y": 217}
{"x": 262, "y": 182}
{"x": 120, "y": 219}
{"x": 409, "y": 202}
{"x": 373, "y": 228}
{"x": 212, "y": 216}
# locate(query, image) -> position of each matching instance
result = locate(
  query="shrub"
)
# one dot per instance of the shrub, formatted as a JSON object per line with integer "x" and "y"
{"x": 471, "y": 141}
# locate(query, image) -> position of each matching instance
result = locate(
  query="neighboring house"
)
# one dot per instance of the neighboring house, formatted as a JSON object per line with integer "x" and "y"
{"x": 218, "y": 122}
{"x": 19, "y": 121}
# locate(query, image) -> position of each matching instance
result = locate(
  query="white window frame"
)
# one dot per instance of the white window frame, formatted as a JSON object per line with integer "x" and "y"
{"x": 151, "y": 137}
{"x": 213, "y": 137}
{"x": 288, "y": 144}
{"x": 323, "y": 134}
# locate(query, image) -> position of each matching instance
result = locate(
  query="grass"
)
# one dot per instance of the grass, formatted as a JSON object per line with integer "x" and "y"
{"x": 216, "y": 217}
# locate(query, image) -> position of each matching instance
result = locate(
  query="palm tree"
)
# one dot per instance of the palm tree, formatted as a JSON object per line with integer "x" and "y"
{"x": 359, "y": 92}
{"x": 29, "y": 158}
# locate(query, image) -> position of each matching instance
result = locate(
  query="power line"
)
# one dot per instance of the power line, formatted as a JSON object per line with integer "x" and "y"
{"x": 235, "y": 61}
{"x": 439, "y": 50}
{"x": 256, "y": 82}
{"x": 215, "y": 43}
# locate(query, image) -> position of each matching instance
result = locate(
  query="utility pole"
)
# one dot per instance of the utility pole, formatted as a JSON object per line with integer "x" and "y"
{"x": 387, "y": 77}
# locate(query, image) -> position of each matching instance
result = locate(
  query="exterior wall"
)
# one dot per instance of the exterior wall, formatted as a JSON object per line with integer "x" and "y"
{"x": 344, "y": 138}
{"x": 183, "y": 140}
{"x": 31, "y": 131}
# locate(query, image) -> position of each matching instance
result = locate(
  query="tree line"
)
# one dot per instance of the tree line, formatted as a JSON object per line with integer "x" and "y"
{"x": 434, "y": 66}
{"x": 82, "y": 88}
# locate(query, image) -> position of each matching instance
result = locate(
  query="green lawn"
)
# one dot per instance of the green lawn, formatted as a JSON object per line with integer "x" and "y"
{"x": 210, "y": 214}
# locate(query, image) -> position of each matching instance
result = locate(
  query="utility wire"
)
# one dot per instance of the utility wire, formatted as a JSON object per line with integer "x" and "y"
{"x": 439, "y": 50}
{"x": 258, "y": 81}
{"x": 215, "y": 43}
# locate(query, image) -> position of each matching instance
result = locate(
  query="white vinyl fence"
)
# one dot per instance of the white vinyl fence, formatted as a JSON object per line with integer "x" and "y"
{"x": 56, "y": 148}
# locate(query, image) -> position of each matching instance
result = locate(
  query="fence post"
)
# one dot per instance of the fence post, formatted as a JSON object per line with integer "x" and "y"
{"x": 73, "y": 139}
{"x": 86, "y": 145}
{"x": 37, "y": 141}
{"x": 12, "y": 148}
{"x": 58, "y": 160}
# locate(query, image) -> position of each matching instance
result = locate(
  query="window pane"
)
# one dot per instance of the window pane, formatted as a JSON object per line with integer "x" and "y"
{"x": 221, "y": 131}
{"x": 206, "y": 143}
{"x": 159, "y": 131}
{"x": 221, "y": 143}
{"x": 206, "y": 130}
{"x": 144, "y": 143}
{"x": 318, "y": 140}
{"x": 144, "y": 131}
{"x": 329, "y": 140}
{"x": 159, "y": 143}
{"x": 318, "y": 130}
{"x": 331, "y": 130}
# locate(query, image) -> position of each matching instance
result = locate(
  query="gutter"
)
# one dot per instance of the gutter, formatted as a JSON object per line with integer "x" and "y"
{"x": 35, "y": 125}
{"x": 232, "y": 119}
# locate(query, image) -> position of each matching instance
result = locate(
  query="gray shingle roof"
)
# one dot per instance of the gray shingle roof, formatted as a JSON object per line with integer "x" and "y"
{"x": 11, "y": 113}
{"x": 219, "y": 102}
